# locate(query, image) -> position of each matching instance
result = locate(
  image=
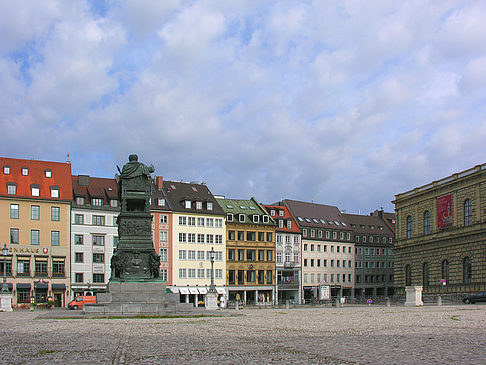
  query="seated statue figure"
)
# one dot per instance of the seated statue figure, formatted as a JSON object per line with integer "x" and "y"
{"x": 133, "y": 169}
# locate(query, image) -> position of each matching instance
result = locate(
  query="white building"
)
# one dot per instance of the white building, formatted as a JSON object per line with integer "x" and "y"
{"x": 94, "y": 233}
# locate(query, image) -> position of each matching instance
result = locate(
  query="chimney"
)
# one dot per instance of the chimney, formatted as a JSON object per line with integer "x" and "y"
{"x": 159, "y": 181}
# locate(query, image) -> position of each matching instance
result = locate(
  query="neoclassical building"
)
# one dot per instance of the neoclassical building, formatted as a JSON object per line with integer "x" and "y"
{"x": 441, "y": 235}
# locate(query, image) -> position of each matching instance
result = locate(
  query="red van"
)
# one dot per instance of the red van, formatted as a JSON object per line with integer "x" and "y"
{"x": 78, "y": 302}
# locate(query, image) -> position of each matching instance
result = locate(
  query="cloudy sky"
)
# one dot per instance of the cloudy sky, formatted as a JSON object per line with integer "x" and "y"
{"x": 345, "y": 103}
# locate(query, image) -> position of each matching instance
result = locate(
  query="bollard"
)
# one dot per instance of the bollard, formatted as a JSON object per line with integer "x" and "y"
{"x": 338, "y": 304}
{"x": 439, "y": 300}
{"x": 287, "y": 304}
{"x": 388, "y": 302}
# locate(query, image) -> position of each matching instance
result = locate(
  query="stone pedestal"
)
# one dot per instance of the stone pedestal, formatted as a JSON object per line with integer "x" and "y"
{"x": 414, "y": 296}
{"x": 211, "y": 301}
{"x": 132, "y": 298}
{"x": 5, "y": 302}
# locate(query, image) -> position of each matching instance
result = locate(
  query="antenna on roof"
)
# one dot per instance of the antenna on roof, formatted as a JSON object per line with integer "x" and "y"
{"x": 67, "y": 161}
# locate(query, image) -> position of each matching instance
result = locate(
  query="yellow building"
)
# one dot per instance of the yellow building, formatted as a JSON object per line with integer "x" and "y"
{"x": 250, "y": 251}
{"x": 35, "y": 202}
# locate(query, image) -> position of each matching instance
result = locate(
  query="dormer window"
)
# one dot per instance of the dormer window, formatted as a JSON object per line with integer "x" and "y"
{"x": 25, "y": 171}
{"x": 114, "y": 203}
{"x": 54, "y": 192}
{"x": 198, "y": 205}
{"x": 289, "y": 224}
{"x": 256, "y": 218}
{"x": 98, "y": 202}
{"x": 80, "y": 200}
{"x": 48, "y": 173}
{"x": 11, "y": 189}
{"x": 230, "y": 217}
{"x": 210, "y": 206}
{"x": 281, "y": 213}
{"x": 272, "y": 212}
{"x": 266, "y": 219}
{"x": 241, "y": 217}
{"x": 6, "y": 170}
{"x": 35, "y": 190}
{"x": 161, "y": 202}
{"x": 187, "y": 204}
{"x": 280, "y": 223}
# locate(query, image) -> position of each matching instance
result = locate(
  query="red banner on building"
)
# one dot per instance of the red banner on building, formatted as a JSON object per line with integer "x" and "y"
{"x": 444, "y": 211}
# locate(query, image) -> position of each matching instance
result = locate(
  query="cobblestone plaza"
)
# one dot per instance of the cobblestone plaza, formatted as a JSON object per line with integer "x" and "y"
{"x": 318, "y": 335}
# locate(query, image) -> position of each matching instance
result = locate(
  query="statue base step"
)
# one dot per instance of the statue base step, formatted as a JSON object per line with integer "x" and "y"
{"x": 137, "y": 298}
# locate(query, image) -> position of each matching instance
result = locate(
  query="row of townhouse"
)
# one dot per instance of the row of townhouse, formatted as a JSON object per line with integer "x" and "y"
{"x": 63, "y": 230}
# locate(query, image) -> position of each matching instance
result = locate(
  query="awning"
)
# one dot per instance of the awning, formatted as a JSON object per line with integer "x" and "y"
{"x": 193, "y": 291}
{"x": 41, "y": 286}
{"x": 221, "y": 290}
{"x": 174, "y": 290}
{"x": 58, "y": 286}
{"x": 184, "y": 290}
{"x": 203, "y": 290}
{"x": 23, "y": 285}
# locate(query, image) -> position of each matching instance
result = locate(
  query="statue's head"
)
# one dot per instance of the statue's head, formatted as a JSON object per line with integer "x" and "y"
{"x": 133, "y": 158}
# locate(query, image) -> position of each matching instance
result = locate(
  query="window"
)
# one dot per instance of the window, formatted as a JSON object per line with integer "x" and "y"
{"x": 55, "y": 214}
{"x": 219, "y": 273}
{"x": 467, "y": 270}
{"x": 14, "y": 211}
{"x": 467, "y": 212}
{"x": 78, "y": 219}
{"x": 182, "y": 273}
{"x": 269, "y": 255}
{"x": 164, "y": 219}
{"x": 98, "y": 220}
{"x": 209, "y": 238}
{"x": 209, "y": 222}
{"x": 40, "y": 266}
{"x": 54, "y": 192}
{"x": 200, "y": 273}
{"x": 200, "y": 255}
{"x": 25, "y": 171}
{"x": 241, "y": 255}
{"x": 55, "y": 238}
{"x": 241, "y": 217}
{"x": 23, "y": 266}
{"x": 98, "y": 278}
{"x": 218, "y": 239}
{"x": 289, "y": 225}
{"x": 425, "y": 274}
{"x": 251, "y": 255}
{"x": 334, "y": 235}
{"x": 304, "y": 232}
{"x": 230, "y": 217}
{"x": 6, "y": 170}
{"x": 241, "y": 236}
{"x": 191, "y": 255}
{"x": 408, "y": 275}
{"x": 250, "y": 236}
{"x": 445, "y": 271}
{"x": 409, "y": 227}
{"x": 269, "y": 237}
{"x": 279, "y": 257}
{"x": 98, "y": 240}
{"x": 426, "y": 222}
{"x": 48, "y": 173}
{"x": 182, "y": 254}
{"x": 78, "y": 277}
{"x": 182, "y": 237}
{"x": 269, "y": 277}
{"x": 34, "y": 237}
{"x": 266, "y": 219}
{"x": 256, "y": 218}
{"x": 58, "y": 267}
{"x": 328, "y": 234}
{"x": 187, "y": 204}
{"x": 191, "y": 238}
{"x": 14, "y": 235}
{"x": 80, "y": 200}
{"x": 231, "y": 255}
{"x": 78, "y": 257}
{"x": 182, "y": 221}
{"x": 200, "y": 238}
{"x": 191, "y": 221}
{"x": 11, "y": 189}
{"x": 98, "y": 202}
{"x": 231, "y": 277}
{"x": 78, "y": 239}
{"x": 99, "y": 258}
{"x": 113, "y": 203}
{"x": 261, "y": 236}
{"x": 218, "y": 223}
{"x": 210, "y": 205}
{"x": 341, "y": 235}
{"x": 164, "y": 255}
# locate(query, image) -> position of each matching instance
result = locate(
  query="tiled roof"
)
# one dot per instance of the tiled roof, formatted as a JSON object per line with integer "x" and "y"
{"x": 316, "y": 215}
{"x": 94, "y": 187}
{"x": 286, "y": 216}
{"x": 248, "y": 207}
{"x": 366, "y": 224}
{"x": 177, "y": 193}
{"x": 37, "y": 172}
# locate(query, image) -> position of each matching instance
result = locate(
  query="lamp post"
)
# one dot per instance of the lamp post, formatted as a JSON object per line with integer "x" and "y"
{"x": 4, "y": 285}
{"x": 212, "y": 288}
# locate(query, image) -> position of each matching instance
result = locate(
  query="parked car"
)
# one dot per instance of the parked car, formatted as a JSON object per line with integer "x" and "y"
{"x": 80, "y": 301}
{"x": 479, "y": 297}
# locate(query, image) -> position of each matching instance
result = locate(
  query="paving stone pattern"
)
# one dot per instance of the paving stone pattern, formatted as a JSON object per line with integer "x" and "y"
{"x": 349, "y": 335}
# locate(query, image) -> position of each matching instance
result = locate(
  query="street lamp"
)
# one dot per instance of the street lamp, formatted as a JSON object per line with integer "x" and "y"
{"x": 212, "y": 288}
{"x": 4, "y": 285}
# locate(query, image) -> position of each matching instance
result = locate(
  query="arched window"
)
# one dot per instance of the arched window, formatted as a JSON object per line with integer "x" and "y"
{"x": 425, "y": 274}
{"x": 409, "y": 227}
{"x": 467, "y": 270}
{"x": 408, "y": 275}
{"x": 445, "y": 271}
{"x": 426, "y": 222}
{"x": 467, "y": 212}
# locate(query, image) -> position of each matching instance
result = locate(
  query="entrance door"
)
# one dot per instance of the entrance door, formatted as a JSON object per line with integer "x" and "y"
{"x": 57, "y": 300}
